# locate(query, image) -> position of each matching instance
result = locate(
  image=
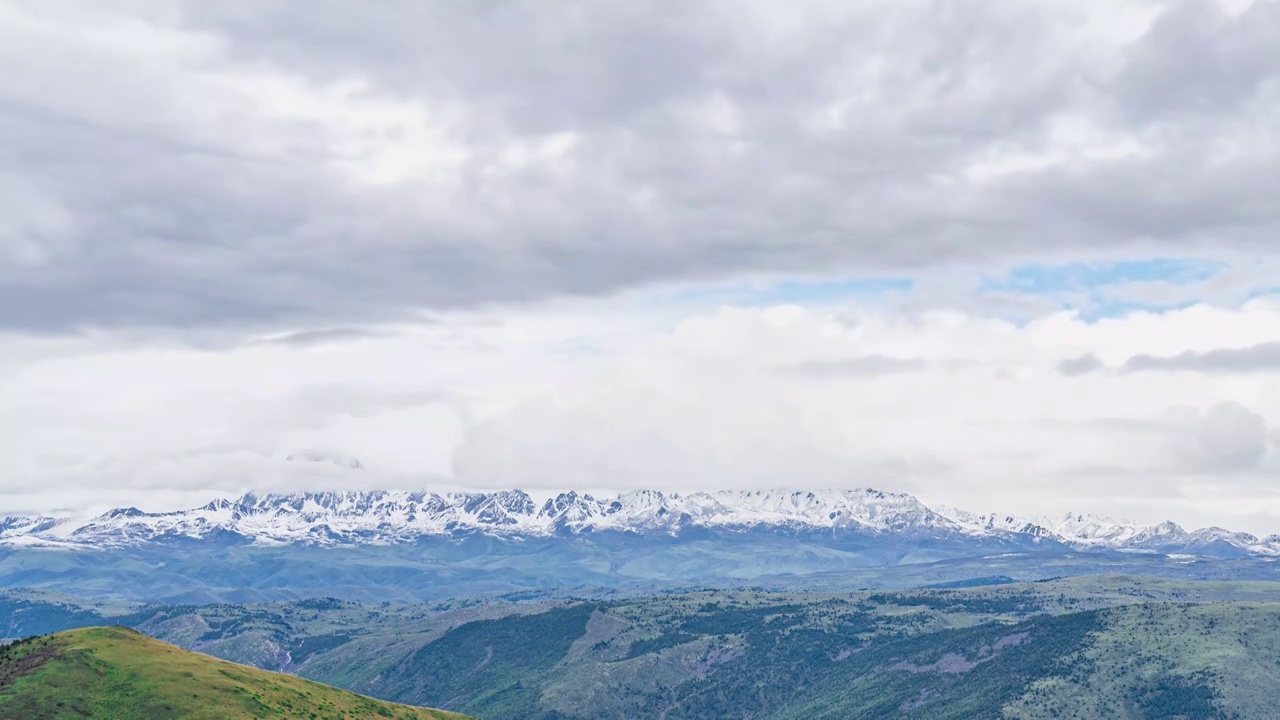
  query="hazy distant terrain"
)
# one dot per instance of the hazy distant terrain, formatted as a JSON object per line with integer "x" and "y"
{"x": 1098, "y": 646}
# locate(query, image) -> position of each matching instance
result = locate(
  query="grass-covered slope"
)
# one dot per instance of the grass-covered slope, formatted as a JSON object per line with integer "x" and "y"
{"x": 1084, "y": 647}
{"x": 113, "y": 672}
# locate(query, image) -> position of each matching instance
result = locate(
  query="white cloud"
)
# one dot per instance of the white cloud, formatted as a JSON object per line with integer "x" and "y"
{"x": 977, "y": 411}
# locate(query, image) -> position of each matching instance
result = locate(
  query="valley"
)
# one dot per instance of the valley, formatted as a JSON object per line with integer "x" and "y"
{"x": 1099, "y": 646}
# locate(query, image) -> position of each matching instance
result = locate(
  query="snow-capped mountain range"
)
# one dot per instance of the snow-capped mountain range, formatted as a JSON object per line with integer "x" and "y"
{"x": 388, "y": 517}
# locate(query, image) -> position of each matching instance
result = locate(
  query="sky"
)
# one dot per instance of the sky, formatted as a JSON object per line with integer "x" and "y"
{"x": 1010, "y": 256}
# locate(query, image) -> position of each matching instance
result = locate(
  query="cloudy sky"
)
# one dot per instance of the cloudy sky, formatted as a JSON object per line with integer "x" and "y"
{"x": 1009, "y": 255}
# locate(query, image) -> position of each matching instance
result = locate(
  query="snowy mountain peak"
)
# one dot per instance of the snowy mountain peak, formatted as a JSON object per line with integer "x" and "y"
{"x": 384, "y": 517}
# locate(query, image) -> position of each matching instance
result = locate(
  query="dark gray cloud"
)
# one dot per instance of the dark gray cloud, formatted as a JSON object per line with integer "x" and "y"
{"x": 321, "y": 336}
{"x": 1264, "y": 357}
{"x": 856, "y": 367}
{"x": 183, "y": 163}
{"x": 1227, "y": 437}
{"x": 1197, "y": 60}
{"x": 317, "y": 404}
{"x": 1083, "y": 365}
{"x": 1261, "y": 358}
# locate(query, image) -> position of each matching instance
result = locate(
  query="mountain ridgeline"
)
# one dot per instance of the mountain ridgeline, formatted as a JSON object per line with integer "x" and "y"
{"x": 371, "y": 546}
{"x": 384, "y": 517}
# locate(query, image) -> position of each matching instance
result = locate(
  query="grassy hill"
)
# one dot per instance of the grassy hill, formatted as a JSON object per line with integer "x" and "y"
{"x": 113, "y": 672}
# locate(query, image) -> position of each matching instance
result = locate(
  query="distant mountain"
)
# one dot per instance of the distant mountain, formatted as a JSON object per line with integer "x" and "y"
{"x": 116, "y": 672}
{"x": 410, "y": 546}
{"x": 826, "y": 516}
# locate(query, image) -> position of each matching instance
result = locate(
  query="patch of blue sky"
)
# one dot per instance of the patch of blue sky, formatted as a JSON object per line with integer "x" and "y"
{"x": 1091, "y": 288}
{"x": 581, "y": 345}
{"x": 1263, "y": 292}
{"x": 1102, "y": 308}
{"x": 1040, "y": 279}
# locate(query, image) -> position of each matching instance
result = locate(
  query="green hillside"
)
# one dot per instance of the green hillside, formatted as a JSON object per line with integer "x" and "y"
{"x": 1084, "y": 647}
{"x": 113, "y": 672}
{"x": 938, "y": 655}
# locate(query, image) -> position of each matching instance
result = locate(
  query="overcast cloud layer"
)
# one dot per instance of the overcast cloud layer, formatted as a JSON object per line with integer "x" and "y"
{"x": 1020, "y": 255}
{"x": 187, "y": 162}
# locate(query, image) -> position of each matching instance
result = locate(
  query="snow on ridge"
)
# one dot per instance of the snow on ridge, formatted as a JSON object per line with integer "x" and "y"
{"x": 387, "y": 516}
